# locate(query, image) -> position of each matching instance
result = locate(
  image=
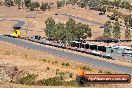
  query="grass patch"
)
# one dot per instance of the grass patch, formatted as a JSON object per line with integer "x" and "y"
{"x": 61, "y": 75}
{"x": 100, "y": 71}
{"x": 65, "y": 64}
{"x": 57, "y": 70}
{"x": 107, "y": 72}
{"x": 7, "y": 53}
{"x": 25, "y": 55}
{"x": 48, "y": 61}
{"x": 70, "y": 83}
{"x": 86, "y": 68}
{"x": 56, "y": 81}
{"x": 47, "y": 68}
{"x": 54, "y": 62}
{"x": 44, "y": 60}
{"x": 30, "y": 79}
{"x": 70, "y": 75}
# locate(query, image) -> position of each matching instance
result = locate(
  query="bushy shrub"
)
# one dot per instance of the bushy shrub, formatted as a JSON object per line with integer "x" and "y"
{"x": 56, "y": 81}
{"x": 29, "y": 79}
{"x": 7, "y": 53}
{"x": 112, "y": 17}
{"x": 70, "y": 83}
{"x": 57, "y": 70}
{"x": 70, "y": 75}
{"x": 63, "y": 64}
{"x": 47, "y": 68}
{"x": 67, "y": 64}
{"x": 107, "y": 72}
{"x": 51, "y": 82}
{"x": 86, "y": 68}
{"x": 54, "y": 62}
{"x": 44, "y": 60}
{"x": 100, "y": 71}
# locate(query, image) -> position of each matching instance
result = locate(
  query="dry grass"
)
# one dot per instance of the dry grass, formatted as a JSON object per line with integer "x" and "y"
{"x": 37, "y": 24}
{"x": 10, "y": 85}
{"x": 37, "y": 62}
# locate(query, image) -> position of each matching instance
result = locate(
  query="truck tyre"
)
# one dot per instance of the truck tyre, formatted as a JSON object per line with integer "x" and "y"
{"x": 81, "y": 80}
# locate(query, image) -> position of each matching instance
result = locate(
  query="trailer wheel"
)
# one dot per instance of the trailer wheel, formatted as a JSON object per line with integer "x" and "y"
{"x": 81, "y": 80}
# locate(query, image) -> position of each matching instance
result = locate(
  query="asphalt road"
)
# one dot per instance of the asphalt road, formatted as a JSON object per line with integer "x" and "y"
{"x": 82, "y": 19}
{"x": 69, "y": 55}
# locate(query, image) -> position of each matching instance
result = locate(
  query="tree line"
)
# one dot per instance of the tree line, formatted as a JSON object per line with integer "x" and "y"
{"x": 66, "y": 32}
{"x": 35, "y": 5}
{"x": 71, "y": 32}
{"x": 99, "y": 5}
{"x": 32, "y": 6}
{"x": 114, "y": 30}
{"x": 105, "y": 5}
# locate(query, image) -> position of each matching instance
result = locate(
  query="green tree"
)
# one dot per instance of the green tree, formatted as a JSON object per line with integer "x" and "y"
{"x": 44, "y": 6}
{"x": 63, "y": 2}
{"x": 128, "y": 21}
{"x": 32, "y": 6}
{"x": 27, "y": 3}
{"x": 93, "y": 4}
{"x": 107, "y": 29}
{"x": 49, "y": 7}
{"x": 105, "y": 2}
{"x": 128, "y": 34}
{"x": 125, "y": 5}
{"x": 70, "y": 29}
{"x": 59, "y": 32}
{"x": 36, "y": 5}
{"x": 73, "y": 2}
{"x": 9, "y": 3}
{"x": 50, "y": 26}
{"x": 128, "y": 24}
{"x": 59, "y": 4}
{"x": 22, "y": 4}
{"x": 102, "y": 9}
{"x": 18, "y": 3}
{"x": 117, "y": 3}
{"x": 111, "y": 4}
{"x": 82, "y": 31}
{"x": 82, "y": 4}
{"x": 116, "y": 30}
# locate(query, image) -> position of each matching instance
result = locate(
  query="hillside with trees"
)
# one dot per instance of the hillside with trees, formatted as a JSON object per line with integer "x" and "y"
{"x": 66, "y": 32}
{"x": 112, "y": 28}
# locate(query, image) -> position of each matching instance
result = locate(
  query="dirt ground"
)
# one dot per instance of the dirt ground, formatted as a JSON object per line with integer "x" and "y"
{"x": 30, "y": 60}
{"x": 9, "y": 85}
{"x": 33, "y": 62}
{"x": 36, "y": 25}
